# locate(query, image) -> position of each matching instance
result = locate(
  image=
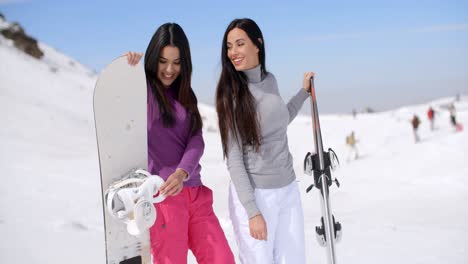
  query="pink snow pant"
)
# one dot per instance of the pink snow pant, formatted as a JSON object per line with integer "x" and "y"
{"x": 187, "y": 221}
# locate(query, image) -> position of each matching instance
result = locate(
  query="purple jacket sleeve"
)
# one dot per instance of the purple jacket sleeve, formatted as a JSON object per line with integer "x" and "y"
{"x": 193, "y": 153}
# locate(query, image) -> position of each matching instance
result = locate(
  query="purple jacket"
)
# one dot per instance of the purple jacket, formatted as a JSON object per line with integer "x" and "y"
{"x": 172, "y": 148}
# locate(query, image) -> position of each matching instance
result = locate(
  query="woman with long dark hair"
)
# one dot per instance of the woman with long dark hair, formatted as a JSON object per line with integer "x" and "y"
{"x": 264, "y": 199}
{"x": 175, "y": 145}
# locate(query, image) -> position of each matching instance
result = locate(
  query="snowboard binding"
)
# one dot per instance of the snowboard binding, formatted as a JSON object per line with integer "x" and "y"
{"x": 131, "y": 199}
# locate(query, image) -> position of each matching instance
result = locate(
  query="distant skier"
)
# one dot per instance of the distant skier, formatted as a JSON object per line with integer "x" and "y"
{"x": 351, "y": 143}
{"x": 453, "y": 118}
{"x": 431, "y": 116}
{"x": 415, "y": 123}
{"x": 453, "y": 113}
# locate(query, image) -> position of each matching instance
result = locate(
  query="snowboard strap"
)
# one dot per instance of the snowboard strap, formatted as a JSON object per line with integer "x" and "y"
{"x": 131, "y": 200}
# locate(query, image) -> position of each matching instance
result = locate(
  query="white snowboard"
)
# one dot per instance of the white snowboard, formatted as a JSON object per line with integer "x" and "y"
{"x": 120, "y": 112}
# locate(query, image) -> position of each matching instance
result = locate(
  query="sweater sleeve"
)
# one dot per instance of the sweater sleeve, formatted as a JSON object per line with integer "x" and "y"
{"x": 239, "y": 176}
{"x": 193, "y": 153}
{"x": 295, "y": 103}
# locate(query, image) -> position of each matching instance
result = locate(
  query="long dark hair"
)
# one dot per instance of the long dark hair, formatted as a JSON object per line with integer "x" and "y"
{"x": 171, "y": 34}
{"x": 235, "y": 103}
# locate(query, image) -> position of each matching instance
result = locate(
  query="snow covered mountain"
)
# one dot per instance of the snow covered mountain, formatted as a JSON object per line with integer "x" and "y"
{"x": 400, "y": 202}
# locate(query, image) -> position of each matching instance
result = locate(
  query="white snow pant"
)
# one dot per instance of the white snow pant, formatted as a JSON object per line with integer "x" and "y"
{"x": 282, "y": 210}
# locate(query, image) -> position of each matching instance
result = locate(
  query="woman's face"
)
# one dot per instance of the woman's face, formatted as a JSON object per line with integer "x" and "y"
{"x": 241, "y": 50}
{"x": 169, "y": 65}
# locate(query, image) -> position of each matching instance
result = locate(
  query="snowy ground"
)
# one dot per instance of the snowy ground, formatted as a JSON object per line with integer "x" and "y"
{"x": 400, "y": 203}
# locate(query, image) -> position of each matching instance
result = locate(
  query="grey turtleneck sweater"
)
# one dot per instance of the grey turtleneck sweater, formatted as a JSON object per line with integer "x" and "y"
{"x": 272, "y": 166}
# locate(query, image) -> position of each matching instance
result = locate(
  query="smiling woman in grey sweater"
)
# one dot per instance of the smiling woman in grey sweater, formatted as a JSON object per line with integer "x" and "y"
{"x": 264, "y": 199}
